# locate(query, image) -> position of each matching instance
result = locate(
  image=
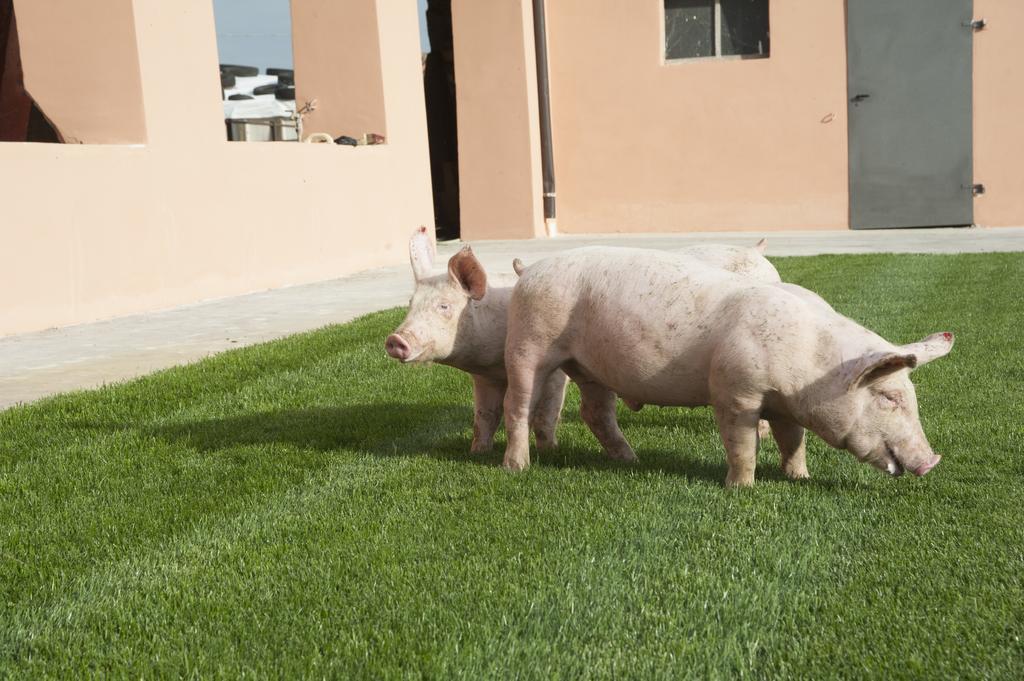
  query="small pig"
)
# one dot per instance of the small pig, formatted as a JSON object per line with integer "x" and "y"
{"x": 459, "y": 319}
{"x": 657, "y": 329}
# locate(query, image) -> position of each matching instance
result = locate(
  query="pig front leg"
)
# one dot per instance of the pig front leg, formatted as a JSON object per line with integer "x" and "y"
{"x": 488, "y": 396}
{"x": 790, "y": 438}
{"x": 597, "y": 408}
{"x": 526, "y": 378}
{"x": 738, "y": 428}
{"x": 517, "y": 420}
{"x": 549, "y": 410}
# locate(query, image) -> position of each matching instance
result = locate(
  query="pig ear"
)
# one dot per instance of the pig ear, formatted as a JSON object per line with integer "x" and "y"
{"x": 934, "y": 346}
{"x": 467, "y": 272}
{"x": 421, "y": 253}
{"x": 875, "y": 367}
{"x": 762, "y": 246}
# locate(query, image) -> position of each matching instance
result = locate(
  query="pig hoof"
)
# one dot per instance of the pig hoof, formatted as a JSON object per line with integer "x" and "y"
{"x": 799, "y": 474}
{"x": 746, "y": 480}
{"x": 481, "y": 447}
{"x": 515, "y": 466}
{"x": 625, "y": 454}
{"x": 546, "y": 442}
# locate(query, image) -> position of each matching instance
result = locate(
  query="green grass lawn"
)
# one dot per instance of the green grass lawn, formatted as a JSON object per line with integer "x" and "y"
{"x": 309, "y": 508}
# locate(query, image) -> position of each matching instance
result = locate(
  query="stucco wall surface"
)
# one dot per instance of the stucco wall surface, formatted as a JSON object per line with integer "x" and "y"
{"x": 498, "y": 124}
{"x": 91, "y": 232}
{"x": 712, "y": 144}
{"x": 999, "y": 114}
{"x": 82, "y": 68}
{"x": 346, "y": 82}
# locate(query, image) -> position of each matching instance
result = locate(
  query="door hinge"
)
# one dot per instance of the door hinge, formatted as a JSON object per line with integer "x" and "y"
{"x": 976, "y": 25}
{"x": 976, "y": 189}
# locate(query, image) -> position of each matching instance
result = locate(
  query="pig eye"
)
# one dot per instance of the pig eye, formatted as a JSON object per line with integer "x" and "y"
{"x": 889, "y": 400}
{"x": 444, "y": 307}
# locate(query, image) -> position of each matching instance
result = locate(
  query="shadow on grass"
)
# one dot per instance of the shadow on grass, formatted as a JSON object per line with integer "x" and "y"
{"x": 380, "y": 429}
{"x": 435, "y": 431}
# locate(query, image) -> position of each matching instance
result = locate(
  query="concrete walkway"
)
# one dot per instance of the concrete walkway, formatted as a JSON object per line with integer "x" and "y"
{"x": 38, "y": 364}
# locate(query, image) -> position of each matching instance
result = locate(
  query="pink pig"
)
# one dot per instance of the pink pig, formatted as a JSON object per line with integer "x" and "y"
{"x": 459, "y": 318}
{"x": 657, "y": 329}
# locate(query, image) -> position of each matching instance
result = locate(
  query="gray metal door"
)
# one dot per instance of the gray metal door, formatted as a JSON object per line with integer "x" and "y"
{"x": 909, "y": 74}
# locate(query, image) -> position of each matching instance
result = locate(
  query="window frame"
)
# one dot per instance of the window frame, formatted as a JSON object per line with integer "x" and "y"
{"x": 717, "y": 18}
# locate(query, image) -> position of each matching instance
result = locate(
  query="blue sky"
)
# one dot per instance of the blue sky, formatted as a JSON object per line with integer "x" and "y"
{"x": 258, "y": 32}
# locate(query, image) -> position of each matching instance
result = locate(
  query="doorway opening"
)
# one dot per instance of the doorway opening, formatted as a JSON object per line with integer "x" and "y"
{"x": 21, "y": 119}
{"x": 442, "y": 124}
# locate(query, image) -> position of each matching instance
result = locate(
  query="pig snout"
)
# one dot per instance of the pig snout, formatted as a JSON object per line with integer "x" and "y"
{"x": 396, "y": 347}
{"x": 929, "y": 463}
{"x": 895, "y": 462}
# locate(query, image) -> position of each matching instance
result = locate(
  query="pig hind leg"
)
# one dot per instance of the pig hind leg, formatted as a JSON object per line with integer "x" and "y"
{"x": 597, "y": 408}
{"x": 738, "y": 428}
{"x": 790, "y": 438}
{"x": 549, "y": 410}
{"x": 488, "y": 396}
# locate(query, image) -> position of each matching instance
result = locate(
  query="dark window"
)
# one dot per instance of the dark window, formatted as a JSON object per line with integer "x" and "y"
{"x": 716, "y": 28}
{"x": 689, "y": 29}
{"x": 744, "y": 27}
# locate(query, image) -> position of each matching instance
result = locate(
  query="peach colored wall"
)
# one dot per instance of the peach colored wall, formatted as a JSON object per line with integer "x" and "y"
{"x": 499, "y": 132}
{"x": 999, "y": 114}
{"x": 714, "y": 144}
{"x": 81, "y": 67}
{"x": 339, "y": 64}
{"x": 91, "y": 232}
